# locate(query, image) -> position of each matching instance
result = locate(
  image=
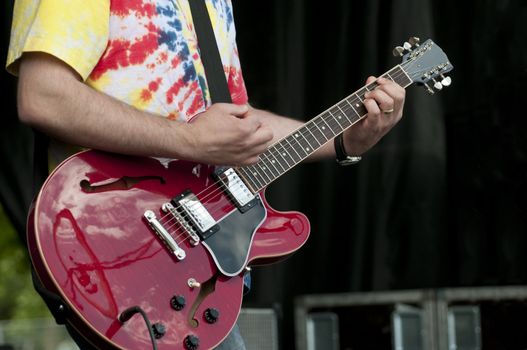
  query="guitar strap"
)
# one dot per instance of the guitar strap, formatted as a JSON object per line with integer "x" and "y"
{"x": 210, "y": 56}
{"x": 218, "y": 90}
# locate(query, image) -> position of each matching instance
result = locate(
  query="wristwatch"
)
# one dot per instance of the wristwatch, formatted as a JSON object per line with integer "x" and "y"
{"x": 342, "y": 158}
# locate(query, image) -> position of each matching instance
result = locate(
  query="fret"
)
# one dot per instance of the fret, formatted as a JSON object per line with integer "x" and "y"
{"x": 357, "y": 105}
{"x": 328, "y": 133}
{"x": 271, "y": 163}
{"x": 345, "y": 115}
{"x": 354, "y": 110}
{"x": 276, "y": 160}
{"x": 350, "y": 112}
{"x": 311, "y": 136}
{"x": 248, "y": 178}
{"x": 283, "y": 154}
{"x": 402, "y": 78}
{"x": 263, "y": 170}
{"x": 268, "y": 167}
{"x": 305, "y": 147}
{"x": 361, "y": 92}
{"x": 332, "y": 123}
{"x": 282, "y": 151}
{"x": 338, "y": 118}
{"x": 294, "y": 155}
{"x": 259, "y": 181}
{"x": 317, "y": 133}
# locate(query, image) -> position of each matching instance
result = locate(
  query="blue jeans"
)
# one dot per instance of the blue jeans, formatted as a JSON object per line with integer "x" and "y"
{"x": 234, "y": 341}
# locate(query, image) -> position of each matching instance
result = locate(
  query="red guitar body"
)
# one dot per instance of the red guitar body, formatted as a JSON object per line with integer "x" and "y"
{"x": 90, "y": 243}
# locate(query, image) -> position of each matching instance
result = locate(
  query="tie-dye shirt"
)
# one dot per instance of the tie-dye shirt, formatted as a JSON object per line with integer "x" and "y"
{"x": 142, "y": 52}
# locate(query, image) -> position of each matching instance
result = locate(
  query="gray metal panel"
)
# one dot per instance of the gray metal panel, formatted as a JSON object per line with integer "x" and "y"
{"x": 425, "y": 298}
{"x": 464, "y": 328}
{"x": 322, "y": 331}
{"x": 259, "y": 328}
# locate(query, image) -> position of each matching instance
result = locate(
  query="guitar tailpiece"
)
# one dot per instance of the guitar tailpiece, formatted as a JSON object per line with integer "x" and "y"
{"x": 128, "y": 313}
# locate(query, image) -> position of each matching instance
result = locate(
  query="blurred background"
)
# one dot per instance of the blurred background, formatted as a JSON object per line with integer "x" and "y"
{"x": 438, "y": 204}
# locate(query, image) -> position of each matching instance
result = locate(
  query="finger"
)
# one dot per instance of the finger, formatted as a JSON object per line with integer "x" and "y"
{"x": 391, "y": 88}
{"x": 370, "y": 79}
{"x": 262, "y": 137}
{"x": 385, "y": 101}
{"x": 372, "y": 107}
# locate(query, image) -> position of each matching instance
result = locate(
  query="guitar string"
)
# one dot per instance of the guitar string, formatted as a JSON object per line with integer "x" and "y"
{"x": 310, "y": 127}
{"x": 346, "y": 109}
{"x": 219, "y": 191}
{"x": 307, "y": 125}
{"x": 216, "y": 192}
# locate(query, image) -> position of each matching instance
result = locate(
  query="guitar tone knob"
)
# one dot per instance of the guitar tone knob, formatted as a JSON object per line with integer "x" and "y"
{"x": 191, "y": 342}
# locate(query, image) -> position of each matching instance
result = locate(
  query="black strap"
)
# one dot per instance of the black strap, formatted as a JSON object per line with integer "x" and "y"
{"x": 40, "y": 160}
{"x": 210, "y": 56}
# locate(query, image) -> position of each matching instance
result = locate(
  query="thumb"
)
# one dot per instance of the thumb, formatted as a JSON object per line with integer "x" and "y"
{"x": 238, "y": 110}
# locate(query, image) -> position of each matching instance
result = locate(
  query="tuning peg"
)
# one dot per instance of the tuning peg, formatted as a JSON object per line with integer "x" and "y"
{"x": 407, "y": 46}
{"x": 398, "y": 51}
{"x": 438, "y": 85}
{"x": 414, "y": 41}
{"x": 429, "y": 89}
{"x": 446, "y": 81}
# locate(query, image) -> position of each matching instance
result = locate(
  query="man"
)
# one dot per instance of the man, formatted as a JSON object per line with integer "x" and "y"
{"x": 126, "y": 76}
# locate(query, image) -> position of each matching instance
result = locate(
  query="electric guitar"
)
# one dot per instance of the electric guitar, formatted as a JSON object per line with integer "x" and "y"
{"x": 150, "y": 254}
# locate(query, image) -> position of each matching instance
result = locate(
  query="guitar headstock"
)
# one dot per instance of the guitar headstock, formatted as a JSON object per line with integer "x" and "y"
{"x": 425, "y": 63}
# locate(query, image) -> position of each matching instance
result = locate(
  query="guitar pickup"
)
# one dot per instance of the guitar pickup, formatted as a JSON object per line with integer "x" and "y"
{"x": 195, "y": 212}
{"x": 236, "y": 189}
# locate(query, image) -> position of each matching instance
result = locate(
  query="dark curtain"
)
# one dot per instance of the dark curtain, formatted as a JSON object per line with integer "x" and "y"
{"x": 16, "y": 142}
{"x": 380, "y": 224}
{"x": 439, "y": 202}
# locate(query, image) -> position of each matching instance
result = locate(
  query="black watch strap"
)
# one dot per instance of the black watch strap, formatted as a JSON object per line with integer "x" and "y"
{"x": 340, "y": 151}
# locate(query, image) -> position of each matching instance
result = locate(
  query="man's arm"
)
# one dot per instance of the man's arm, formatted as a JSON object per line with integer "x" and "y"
{"x": 359, "y": 138}
{"x": 52, "y": 98}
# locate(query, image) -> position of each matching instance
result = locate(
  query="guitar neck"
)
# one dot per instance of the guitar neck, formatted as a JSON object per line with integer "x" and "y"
{"x": 301, "y": 143}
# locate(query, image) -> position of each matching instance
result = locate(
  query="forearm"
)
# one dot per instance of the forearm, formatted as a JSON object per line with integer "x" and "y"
{"x": 51, "y": 98}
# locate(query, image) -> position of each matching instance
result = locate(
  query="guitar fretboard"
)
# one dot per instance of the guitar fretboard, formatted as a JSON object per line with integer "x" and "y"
{"x": 297, "y": 146}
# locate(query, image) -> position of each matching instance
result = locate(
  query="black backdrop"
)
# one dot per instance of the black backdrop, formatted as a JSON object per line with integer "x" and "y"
{"x": 439, "y": 202}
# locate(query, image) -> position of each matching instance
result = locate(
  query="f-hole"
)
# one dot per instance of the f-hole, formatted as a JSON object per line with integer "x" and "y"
{"x": 206, "y": 288}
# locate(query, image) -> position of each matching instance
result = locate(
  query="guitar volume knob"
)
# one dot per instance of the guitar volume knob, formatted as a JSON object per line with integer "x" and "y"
{"x": 212, "y": 315}
{"x": 159, "y": 330}
{"x": 178, "y": 302}
{"x": 191, "y": 342}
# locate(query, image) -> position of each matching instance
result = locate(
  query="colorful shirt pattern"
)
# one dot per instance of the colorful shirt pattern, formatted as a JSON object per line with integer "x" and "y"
{"x": 145, "y": 55}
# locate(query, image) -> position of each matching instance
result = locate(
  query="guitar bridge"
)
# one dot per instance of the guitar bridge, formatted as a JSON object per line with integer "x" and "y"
{"x": 163, "y": 234}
